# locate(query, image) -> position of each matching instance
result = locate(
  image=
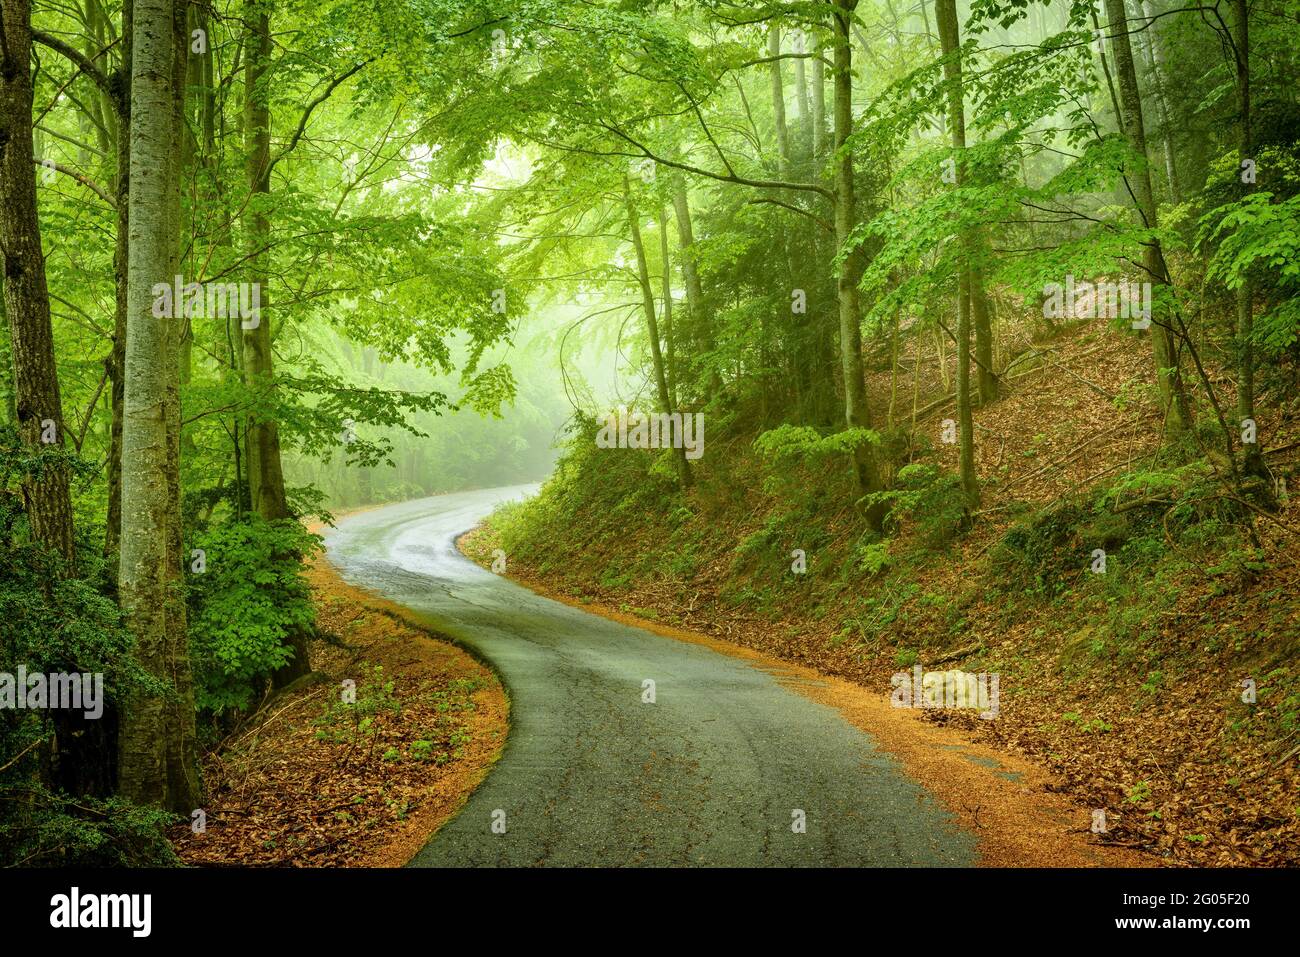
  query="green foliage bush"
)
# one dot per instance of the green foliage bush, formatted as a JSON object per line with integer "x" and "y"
{"x": 46, "y": 828}
{"x": 252, "y": 597}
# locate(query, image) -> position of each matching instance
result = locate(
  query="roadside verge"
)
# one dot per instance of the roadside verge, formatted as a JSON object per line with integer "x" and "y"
{"x": 1015, "y": 809}
{"x": 316, "y": 781}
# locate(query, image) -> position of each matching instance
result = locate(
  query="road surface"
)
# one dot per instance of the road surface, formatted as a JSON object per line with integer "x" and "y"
{"x": 725, "y": 768}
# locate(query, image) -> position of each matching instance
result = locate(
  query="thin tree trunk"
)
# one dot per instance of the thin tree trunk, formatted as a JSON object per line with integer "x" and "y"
{"x": 1253, "y": 463}
{"x": 648, "y": 299}
{"x": 856, "y": 413}
{"x": 265, "y": 476}
{"x": 265, "y": 470}
{"x": 893, "y": 370}
{"x": 121, "y": 260}
{"x": 701, "y": 325}
{"x": 38, "y": 406}
{"x": 946, "y": 14}
{"x": 818, "y": 103}
{"x": 1156, "y": 54}
{"x": 667, "y": 286}
{"x": 802, "y": 107}
{"x": 982, "y": 320}
{"x": 1173, "y": 395}
{"x": 778, "y": 98}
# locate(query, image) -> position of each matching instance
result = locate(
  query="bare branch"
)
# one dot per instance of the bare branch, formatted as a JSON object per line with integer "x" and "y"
{"x": 81, "y": 178}
{"x": 85, "y": 64}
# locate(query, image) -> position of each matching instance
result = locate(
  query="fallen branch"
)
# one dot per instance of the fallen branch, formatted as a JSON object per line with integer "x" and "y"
{"x": 958, "y": 654}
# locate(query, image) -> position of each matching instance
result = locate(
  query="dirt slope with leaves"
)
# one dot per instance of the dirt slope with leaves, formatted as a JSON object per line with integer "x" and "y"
{"x": 315, "y": 780}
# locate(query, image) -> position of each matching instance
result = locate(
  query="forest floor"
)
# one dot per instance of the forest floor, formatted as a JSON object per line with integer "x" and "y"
{"x": 310, "y": 782}
{"x": 1130, "y": 700}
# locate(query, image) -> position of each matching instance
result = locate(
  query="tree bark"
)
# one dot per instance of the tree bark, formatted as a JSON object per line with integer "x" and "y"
{"x": 147, "y": 745}
{"x": 121, "y": 263}
{"x": 666, "y": 285}
{"x": 946, "y": 14}
{"x": 1253, "y": 461}
{"x": 818, "y": 104}
{"x": 265, "y": 471}
{"x": 648, "y": 299}
{"x": 265, "y": 476}
{"x": 701, "y": 325}
{"x": 1156, "y": 53}
{"x": 182, "y": 741}
{"x": 856, "y": 413}
{"x": 38, "y": 405}
{"x": 778, "y": 99}
{"x": 990, "y": 388}
{"x": 802, "y": 107}
{"x": 1173, "y": 395}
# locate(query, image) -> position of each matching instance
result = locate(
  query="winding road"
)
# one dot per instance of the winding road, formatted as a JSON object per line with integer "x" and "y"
{"x": 719, "y": 770}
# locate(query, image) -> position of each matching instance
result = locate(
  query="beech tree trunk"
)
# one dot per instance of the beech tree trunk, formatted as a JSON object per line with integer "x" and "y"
{"x": 701, "y": 325}
{"x": 778, "y": 99}
{"x": 946, "y": 14}
{"x": 265, "y": 471}
{"x": 38, "y": 406}
{"x": 818, "y": 103}
{"x": 648, "y": 299}
{"x": 265, "y": 474}
{"x": 1156, "y": 53}
{"x": 1173, "y": 395}
{"x": 151, "y": 746}
{"x": 856, "y": 413}
{"x": 1253, "y": 461}
{"x": 666, "y": 284}
{"x": 121, "y": 263}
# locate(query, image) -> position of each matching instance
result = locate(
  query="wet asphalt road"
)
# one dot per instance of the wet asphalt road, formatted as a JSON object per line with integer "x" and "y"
{"x": 710, "y": 774}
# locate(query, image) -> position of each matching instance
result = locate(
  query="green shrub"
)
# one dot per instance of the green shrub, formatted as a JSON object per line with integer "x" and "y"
{"x": 245, "y": 606}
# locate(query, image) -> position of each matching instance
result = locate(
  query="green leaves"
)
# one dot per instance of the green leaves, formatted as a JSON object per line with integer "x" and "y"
{"x": 251, "y": 597}
{"x": 802, "y": 442}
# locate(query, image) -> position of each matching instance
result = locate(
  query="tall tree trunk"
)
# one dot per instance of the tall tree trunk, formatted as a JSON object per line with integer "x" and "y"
{"x": 38, "y": 406}
{"x": 818, "y": 103}
{"x": 1173, "y": 395}
{"x": 701, "y": 326}
{"x": 266, "y": 479}
{"x": 667, "y": 285}
{"x": 265, "y": 471}
{"x": 182, "y": 741}
{"x": 802, "y": 107}
{"x": 945, "y": 12}
{"x": 981, "y": 314}
{"x": 648, "y": 299}
{"x": 147, "y": 749}
{"x": 982, "y": 321}
{"x": 1156, "y": 54}
{"x": 856, "y": 413}
{"x": 778, "y": 98}
{"x": 1253, "y": 461}
{"x": 121, "y": 258}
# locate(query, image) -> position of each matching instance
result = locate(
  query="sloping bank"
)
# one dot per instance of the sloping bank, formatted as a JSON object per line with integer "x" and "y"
{"x": 361, "y": 766}
{"x": 1122, "y": 696}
